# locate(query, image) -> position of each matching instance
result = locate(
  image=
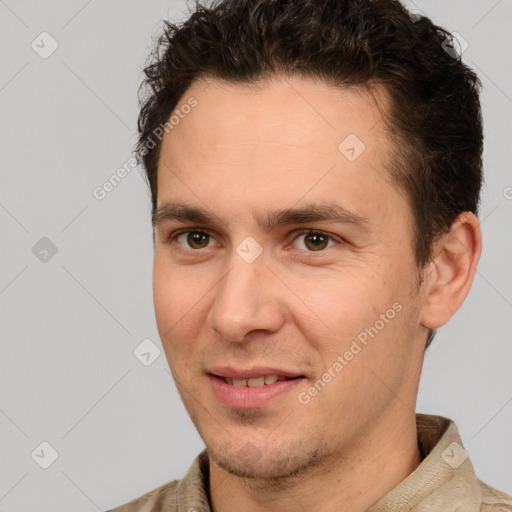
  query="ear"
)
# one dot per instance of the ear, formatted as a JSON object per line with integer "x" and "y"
{"x": 451, "y": 272}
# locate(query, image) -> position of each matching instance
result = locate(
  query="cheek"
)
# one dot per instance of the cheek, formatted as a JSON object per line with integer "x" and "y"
{"x": 179, "y": 301}
{"x": 342, "y": 306}
{"x": 360, "y": 321}
{"x": 164, "y": 298}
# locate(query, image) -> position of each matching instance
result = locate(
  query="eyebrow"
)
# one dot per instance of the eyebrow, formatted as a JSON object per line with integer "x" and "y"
{"x": 314, "y": 212}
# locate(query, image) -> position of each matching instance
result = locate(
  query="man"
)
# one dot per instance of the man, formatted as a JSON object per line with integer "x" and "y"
{"x": 315, "y": 169}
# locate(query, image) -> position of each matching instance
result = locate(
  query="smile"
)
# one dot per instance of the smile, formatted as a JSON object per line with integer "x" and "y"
{"x": 254, "y": 382}
{"x": 252, "y": 393}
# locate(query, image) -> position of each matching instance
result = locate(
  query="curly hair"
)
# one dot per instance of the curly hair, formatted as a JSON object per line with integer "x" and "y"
{"x": 434, "y": 120}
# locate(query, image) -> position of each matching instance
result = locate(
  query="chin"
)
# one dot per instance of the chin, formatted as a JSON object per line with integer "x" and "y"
{"x": 269, "y": 463}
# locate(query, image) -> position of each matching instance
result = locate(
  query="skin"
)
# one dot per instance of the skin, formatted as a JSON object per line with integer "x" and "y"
{"x": 254, "y": 149}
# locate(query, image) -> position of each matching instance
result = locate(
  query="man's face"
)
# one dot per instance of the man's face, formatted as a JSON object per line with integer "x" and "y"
{"x": 255, "y": 294}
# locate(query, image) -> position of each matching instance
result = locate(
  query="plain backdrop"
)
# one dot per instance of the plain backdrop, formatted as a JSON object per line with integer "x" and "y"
{"x": 75, "y": 271}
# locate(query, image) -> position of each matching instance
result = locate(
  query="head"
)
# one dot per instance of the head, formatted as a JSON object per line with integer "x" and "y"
{"x": 325, "y": 158}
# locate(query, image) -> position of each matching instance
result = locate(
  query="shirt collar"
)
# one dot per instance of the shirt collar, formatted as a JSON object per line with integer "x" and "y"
{"x": 445, "y": 479}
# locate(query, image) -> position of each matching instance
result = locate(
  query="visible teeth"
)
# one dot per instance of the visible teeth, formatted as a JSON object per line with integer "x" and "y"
{"x": 270, "y": 379}
{"x": 256, "y": 381}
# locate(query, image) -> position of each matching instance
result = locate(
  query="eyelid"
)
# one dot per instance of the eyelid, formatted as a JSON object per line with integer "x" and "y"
{"x": 307, "y": 231}
{"x": 175, "y": 234}
{"x": 296, "y": 233}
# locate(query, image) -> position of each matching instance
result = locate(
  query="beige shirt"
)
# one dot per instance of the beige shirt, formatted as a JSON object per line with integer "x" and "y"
{"x": 445, "y": 481}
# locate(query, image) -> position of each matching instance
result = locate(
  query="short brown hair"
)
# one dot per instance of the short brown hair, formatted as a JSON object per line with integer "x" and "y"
{"x": 434, "y": 122}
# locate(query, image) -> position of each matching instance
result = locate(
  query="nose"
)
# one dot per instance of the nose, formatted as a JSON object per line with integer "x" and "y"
{"x": 246, "y": 299}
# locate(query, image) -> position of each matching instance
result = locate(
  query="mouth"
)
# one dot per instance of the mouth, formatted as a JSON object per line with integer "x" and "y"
{"x": 252, "y": 388}
{"x": 254, "y": 382}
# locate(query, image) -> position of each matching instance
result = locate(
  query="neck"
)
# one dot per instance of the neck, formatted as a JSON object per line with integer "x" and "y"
{"x": 353, "y": 480}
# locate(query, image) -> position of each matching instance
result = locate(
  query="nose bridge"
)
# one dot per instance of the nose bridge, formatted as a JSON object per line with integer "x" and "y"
{"x": 245, "y": 298}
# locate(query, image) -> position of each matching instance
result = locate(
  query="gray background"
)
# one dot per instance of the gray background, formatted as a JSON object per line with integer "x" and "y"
{"x": 69, "y": 325}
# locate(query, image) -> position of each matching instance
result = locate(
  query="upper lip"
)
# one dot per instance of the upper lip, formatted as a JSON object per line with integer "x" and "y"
{"x": 256, "y": 371}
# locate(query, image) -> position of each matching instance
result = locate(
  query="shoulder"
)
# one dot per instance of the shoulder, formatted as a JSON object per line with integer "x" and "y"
{"x": 494, "y": 500}
{"x": 159, "y": 499}
{"x": 188, "y": 491}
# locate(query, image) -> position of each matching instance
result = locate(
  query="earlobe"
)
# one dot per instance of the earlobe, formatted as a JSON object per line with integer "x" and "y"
{"x": 452, "y": 270}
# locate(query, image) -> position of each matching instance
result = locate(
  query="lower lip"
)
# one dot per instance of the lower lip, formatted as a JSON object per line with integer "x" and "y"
{"x": 251, "y": 398}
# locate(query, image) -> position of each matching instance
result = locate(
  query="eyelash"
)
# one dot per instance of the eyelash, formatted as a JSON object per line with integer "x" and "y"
{"x": 173, "y": 236}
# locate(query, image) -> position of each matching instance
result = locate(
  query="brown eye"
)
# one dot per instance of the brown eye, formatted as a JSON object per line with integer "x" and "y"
{"x": 313, "y": 241}
{"x": 197, "y": 240}
{"x": 316, "y": 241}
{"x": 194, "y": 239}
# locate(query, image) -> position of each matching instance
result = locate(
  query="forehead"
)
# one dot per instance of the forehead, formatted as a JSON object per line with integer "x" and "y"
{"x": 278, "y": 142}
{"x": 281, "y": 109}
